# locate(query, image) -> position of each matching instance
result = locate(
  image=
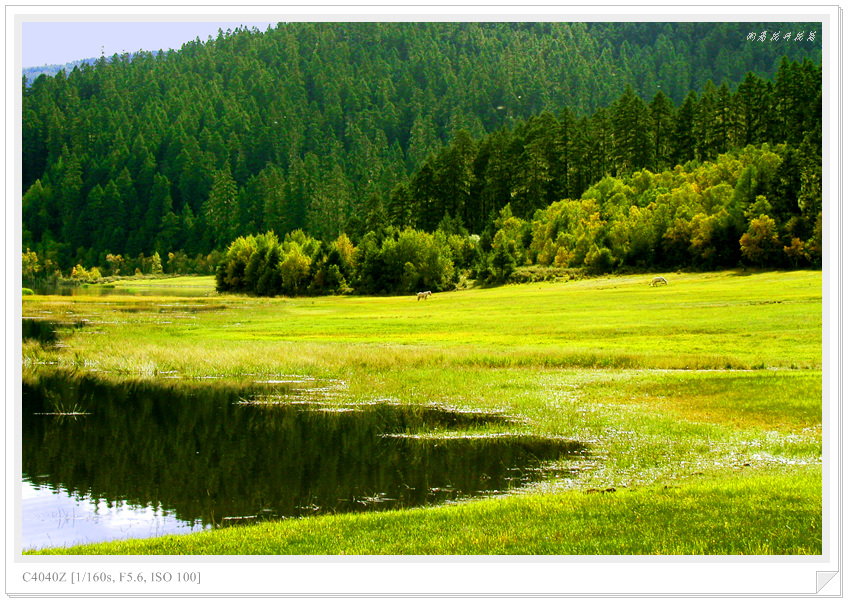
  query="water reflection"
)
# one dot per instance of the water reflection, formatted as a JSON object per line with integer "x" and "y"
{"x": 139, "y": 289}
{"x": 43, "y": 331}
{"x": 204, "y": 457}
{"x": 46, "y": 331}
{"x": 54, "y": 517}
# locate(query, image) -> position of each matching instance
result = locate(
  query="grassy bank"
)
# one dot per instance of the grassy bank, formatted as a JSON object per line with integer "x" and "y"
{"x": 700, "y": 403}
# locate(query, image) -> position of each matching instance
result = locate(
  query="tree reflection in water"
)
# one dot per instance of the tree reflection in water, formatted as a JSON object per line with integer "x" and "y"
{"x": 208, "y": 459}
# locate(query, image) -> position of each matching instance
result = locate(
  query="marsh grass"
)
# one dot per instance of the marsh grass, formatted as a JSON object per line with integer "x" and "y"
{"x": 700, "y": 399}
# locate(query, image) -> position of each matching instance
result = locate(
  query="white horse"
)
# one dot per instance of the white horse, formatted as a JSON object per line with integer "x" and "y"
{"x": 658, "y": 280}
{"x": 424, "y": 295}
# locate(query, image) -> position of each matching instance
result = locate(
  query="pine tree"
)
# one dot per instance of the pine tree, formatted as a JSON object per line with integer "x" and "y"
{"x": 632, "y": 148}
{"x": 661, "y": 112}
{"x": 532, "y": 185}
{"x": 70, "y": 198}
{"x": 683, "y": 142}
{"x": 329, "y": 204}
{"x": 38, "y": 209}
{"x": 400, "y": 207}
{"x": 220, "y": 212}
{"x": 268, "y": 189}
{"x": 494, "y": 171}
{"x": 453, "y": 178}
{"x": 113, "y": 221}
{"x": 563, "y": 166}
{"x": 160, "y": 204}
{"x": 751, "y": 107}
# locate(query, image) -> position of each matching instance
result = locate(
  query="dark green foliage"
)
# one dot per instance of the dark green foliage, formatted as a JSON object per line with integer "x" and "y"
{"x": 599, "y": 260}
{"x": 683, "y": 137}
{"x": 220, "y": 211}
{"x": 404, "y": 262}
{"x": 299, "y": 126}
{"x": 503, "y": 263}
{"x": 661, "y": 114}
{"x": 545, "y": 159}
{"x": 269, "y": 280}
{"x": 633, "y": 148}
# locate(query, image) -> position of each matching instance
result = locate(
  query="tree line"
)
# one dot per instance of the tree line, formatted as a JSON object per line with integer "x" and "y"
{"x": 311, "y": 126}
{"x": 704, "y": 215}
{"x": 550, "y": 157}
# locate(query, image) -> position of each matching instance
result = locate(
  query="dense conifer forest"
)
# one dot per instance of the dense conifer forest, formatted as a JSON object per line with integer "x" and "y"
{"x": 388, "y": 157}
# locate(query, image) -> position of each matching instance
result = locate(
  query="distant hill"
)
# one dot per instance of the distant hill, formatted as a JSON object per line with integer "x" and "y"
{"x": 31, "y": 73}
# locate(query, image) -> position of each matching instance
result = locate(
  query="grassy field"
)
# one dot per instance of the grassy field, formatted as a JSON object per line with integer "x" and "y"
{"x": 700, "y": 403}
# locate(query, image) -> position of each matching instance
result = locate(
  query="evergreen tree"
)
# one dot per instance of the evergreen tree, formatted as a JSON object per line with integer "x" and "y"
{"x": 751, "y": 107}
{"x": 632, "y": 148}
{"x": 70, "y": 199}
{"x": 661, "y": 112}
{"x": 563, "y": 166}
{"x": 159, "y": 205}
{"x": 400, "y": 209}
{"x": 453, "y": 178}
{"x": 221, "y": 209}
{"x": 684, "y": 141}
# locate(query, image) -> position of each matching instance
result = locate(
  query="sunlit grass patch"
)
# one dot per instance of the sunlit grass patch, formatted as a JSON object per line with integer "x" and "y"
{"x": 574, "y": 324}
{"x": 778, "y": 400}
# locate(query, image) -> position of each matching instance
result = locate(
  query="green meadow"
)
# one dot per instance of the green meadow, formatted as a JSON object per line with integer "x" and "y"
{"x": 700, "y": 403}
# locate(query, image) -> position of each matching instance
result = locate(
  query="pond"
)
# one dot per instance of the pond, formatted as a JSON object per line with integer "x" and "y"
{"x": 104, "y": 461}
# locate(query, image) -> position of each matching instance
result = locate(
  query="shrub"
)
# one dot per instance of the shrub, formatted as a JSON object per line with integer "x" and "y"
{"x": 599, "y": 260}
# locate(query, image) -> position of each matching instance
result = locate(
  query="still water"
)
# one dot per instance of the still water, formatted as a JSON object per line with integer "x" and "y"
{"x": 47, "y": 331}
{"x": 103, "y": 462}
{"x": 153, "y": 287}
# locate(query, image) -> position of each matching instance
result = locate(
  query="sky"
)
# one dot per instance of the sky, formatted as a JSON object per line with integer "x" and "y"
{"x": 57, "y": 43}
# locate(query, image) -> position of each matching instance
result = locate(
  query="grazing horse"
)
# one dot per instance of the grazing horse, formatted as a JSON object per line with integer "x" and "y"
{"x": 424, "y": 295}
{"x": 658, "y": 280}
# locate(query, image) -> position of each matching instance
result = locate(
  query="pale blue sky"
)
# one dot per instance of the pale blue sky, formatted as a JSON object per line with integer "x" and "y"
{"x": 57, "y": 43}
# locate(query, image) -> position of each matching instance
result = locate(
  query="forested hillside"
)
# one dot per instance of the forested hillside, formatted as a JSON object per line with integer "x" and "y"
{"x": 550, "y": 157}
{"x": 335, "y": 128}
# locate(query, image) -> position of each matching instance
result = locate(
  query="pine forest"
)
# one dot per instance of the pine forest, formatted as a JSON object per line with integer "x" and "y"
{"x": 390, "y": 157}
